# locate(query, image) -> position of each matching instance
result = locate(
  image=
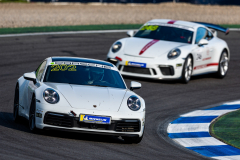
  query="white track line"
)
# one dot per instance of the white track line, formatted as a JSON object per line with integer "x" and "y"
{"x": 188, "y": 127}
{"x": 196, "y": 142}
{"x": 78, "y": 32}
{"x": 228, "y": 157}
{"x": 69, "y": 32}
{"x": 206, "y": 113}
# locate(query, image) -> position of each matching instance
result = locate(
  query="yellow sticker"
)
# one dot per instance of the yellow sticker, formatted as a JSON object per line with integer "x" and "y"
{"x": 151, "y": 28}
{"x": 63, "y": 67}
{"x": 81, "y": 117}
{"x": 126, "y": 63}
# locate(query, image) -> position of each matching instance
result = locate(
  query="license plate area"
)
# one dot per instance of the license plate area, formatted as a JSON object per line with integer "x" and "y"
{"x": 94, "y": 119}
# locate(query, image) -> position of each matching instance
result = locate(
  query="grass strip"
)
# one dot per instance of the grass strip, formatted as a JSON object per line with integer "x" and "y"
{"x": 227, "y": 128}
{"x": 69, "y": 28}
{"x": 78, "y": 28}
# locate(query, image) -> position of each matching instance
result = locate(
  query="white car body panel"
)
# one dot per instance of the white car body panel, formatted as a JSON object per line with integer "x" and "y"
{"x": 80, "y": 99}
{"x": 156, "y": 55}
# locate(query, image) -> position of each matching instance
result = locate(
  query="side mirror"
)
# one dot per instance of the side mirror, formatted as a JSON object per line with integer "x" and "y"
{"x": 30, "y": 76}
{"x": 130, "y": 33}
{"x": 135, "y": 85}
{"x": 203, "y": 42}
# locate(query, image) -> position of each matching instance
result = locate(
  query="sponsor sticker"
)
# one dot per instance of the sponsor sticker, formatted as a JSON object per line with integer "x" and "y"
{"x": 136, "y": 64}
{"x": 178, "y": 65}
{"x": 95, "y": 119}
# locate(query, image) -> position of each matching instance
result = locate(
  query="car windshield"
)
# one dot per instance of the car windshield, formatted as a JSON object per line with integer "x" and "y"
{"x": 84, "y": 75}
{"x": 165, "y": 33}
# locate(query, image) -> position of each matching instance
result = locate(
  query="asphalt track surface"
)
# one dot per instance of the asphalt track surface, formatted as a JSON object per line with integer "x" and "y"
{"x": 165, "y": 101}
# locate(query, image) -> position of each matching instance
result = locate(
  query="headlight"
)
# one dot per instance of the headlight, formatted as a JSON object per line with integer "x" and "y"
{"x": 134, "y": 103}
{"x": 116, "y": 47}
{"x": 174, "y": 53}
{"x": 51, "y": 96}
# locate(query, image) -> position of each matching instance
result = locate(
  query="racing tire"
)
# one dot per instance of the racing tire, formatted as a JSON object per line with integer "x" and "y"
{"x": 187, "y": 69}
{"x": 32, "y": 116}
{"x": 222, "y": 65}
{"x": 16, "y": 116}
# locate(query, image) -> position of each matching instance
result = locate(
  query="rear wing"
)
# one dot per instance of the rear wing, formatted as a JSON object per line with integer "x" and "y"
{"x": 215, "y": 27}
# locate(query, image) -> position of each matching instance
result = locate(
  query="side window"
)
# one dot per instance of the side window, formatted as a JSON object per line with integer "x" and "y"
{"x": 209, "y": 36}
{"x": 40, "y": 70}
{"x": 201, "y": 34}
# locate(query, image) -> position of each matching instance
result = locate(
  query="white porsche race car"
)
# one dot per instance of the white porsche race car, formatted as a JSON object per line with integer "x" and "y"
{"x": 166, "y": 49}
{"x": 78, "y": 94}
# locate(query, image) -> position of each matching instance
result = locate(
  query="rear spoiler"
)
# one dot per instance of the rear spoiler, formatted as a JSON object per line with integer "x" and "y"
{"x": 215, "y": 27}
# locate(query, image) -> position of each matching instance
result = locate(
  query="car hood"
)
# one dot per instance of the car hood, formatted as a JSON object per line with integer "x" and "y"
{"x": 144, "y": 47}
{"x": 86, "y": 97}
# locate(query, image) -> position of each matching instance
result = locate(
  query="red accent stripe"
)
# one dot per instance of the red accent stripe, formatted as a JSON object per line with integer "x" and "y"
{"x": 118, "y": 58}
{"x": 171, "y": 22}
{"x": 205, "y": 65}
{"x": 148, "y": 45}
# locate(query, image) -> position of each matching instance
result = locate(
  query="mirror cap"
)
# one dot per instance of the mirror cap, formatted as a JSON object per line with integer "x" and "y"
{"x": 130, "y": 33}
{"x": 135, "y": 85}
{"x": 203, "y": 42}
{"x": 30, "y": 76}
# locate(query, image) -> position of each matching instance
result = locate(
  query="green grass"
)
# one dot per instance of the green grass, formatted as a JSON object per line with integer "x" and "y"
{"x": 68, "y": 28}
{"x": 78, "y": 28}
{"x": 227, "y": 128}
{"x": 18, "y": 1}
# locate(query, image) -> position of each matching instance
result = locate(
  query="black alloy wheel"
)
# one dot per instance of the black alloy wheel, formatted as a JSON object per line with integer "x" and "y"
{"x": 16, "y": 116}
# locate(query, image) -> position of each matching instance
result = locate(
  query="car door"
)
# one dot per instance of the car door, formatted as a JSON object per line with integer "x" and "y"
{"x": 201, "y": 54}
{"x": 31, "y": 86}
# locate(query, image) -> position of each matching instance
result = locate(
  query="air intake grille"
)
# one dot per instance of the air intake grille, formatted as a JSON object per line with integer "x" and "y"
{"x": 136, "y": 70}
{"x": 125, "y": 126}
{"x": 57, "y": 119}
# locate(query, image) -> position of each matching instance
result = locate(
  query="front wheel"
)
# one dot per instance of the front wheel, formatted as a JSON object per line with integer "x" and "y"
{"x": 187, "y": 69}
{"x": 223, "y": 65}
{"x": 32, "y": 122}
{"x": 16, "y": 116}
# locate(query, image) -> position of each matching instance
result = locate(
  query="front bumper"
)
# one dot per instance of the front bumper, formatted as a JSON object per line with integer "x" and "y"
{"x": 122, "y": 124}
{"x": 164, "y": 69}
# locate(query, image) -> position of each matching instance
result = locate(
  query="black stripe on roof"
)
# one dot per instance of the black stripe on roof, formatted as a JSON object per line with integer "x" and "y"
{"x": 73, "y": 59}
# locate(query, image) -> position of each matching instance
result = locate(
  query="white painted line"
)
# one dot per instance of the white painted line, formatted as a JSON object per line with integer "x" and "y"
{"x": 206, "y": 113}
{"x": 227, "y": 157}
{"x": 196, "y": 142}
{"x": 70, "y": 32}
{"x": 234, "y": 29}
{"x": 188, "y": 127}
{"x": 78, "y": 32}
{"x": 232, "y": 103}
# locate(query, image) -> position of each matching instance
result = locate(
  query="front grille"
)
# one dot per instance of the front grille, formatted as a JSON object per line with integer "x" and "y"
{"x": 128, "y": 126}
{"x": 136, "y": 70}
{"x": 167, "y": 71}
{"x": 64, "y": 120}
{"x": 57, "y": 119}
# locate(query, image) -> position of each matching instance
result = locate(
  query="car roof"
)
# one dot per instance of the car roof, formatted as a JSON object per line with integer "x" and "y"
{"x": 78, "y": 59}
{"x": 177, "y": 22}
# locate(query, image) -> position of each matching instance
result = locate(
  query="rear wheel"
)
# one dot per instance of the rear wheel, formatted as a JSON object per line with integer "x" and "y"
{"x": 223, "y": 65}
{"x": 32, "y": 121}
{"x": 16, "y": 116}
{"x": 187, "y": 69}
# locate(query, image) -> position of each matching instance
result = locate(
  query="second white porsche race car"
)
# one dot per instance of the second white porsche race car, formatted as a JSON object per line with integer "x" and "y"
{"x": 167, "y": 49}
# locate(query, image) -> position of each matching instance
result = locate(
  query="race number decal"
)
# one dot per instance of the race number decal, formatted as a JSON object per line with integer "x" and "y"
{"x": 151, "y": 28}
{"x": 63, "y": 67}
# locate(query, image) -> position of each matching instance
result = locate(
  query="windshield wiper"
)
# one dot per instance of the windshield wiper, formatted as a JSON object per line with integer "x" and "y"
{"x": 96, "y": 85}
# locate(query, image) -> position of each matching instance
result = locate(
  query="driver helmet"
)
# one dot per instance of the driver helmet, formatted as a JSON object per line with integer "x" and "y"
{"x": 96, "y": 73}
